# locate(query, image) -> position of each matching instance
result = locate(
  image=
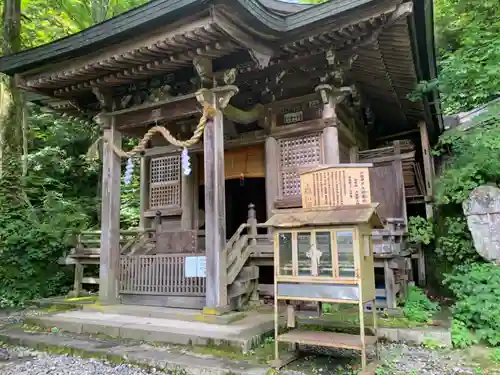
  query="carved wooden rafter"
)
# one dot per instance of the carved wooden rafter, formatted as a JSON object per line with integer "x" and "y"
{"x": 352, "y": 35}
{"x": 213, "y": 30}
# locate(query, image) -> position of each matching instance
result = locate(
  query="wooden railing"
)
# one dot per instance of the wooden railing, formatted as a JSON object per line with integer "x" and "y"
{"x": 161, "y": 274}
{"x": 242, "y": 275}
{"x": 87, "y": 252}
{"x": 145, "y": 272}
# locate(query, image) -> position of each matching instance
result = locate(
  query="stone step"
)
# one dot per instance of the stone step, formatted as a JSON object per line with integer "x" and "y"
{"x": 242, "y": 335}
{"x": 190, "y": 315}
{"x": 171, "y": 360}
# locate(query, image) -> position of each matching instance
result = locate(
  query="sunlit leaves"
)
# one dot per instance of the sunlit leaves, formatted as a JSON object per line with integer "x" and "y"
{"x": 468, "y": 38}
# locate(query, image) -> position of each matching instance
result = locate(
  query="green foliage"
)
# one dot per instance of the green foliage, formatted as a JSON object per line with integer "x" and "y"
{"x": 455, "y": 241}
{"x": 461, "y": 336}
{"x": 60, "y": 195}
{"x": 474, "y": 158}
{"x": 495, "y": 355}
{"x": 418, "y": 307}
{"x": 468, "y": 41}
{"x": 477, "y": 291}
{"x": 420, "y": 230}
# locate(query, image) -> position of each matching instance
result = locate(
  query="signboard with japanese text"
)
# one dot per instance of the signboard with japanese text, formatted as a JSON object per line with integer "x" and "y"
{"x": 336, "y": 186}
{"x": 195, "y": 266}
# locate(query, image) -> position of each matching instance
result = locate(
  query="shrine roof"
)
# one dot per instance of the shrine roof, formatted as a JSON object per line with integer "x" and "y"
{"x": 296, "y": 218}
{"x": 392, "y": 40}
{"x": 271, "y": 16}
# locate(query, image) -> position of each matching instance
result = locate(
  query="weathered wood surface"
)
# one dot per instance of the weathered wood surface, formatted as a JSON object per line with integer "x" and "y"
{"x": 482, "y": 210}
{"x": 176, "y": 242}
{"x": 215, "y": 211}
{"x": 110, "y": 218}
{"x": 158, "y": 275}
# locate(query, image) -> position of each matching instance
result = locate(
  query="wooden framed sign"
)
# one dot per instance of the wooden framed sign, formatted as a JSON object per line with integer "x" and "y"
{"x": 336, "y": 186}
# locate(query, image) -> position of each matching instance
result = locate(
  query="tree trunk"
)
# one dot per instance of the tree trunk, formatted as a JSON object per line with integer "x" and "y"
{"x": 12, "y": 147}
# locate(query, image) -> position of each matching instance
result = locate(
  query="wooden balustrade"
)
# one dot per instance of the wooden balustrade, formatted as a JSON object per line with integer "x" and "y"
{"x": 87, "y": 252}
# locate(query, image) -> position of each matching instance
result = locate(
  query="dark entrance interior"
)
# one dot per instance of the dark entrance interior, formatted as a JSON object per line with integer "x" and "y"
{"x": 239, "y": 194}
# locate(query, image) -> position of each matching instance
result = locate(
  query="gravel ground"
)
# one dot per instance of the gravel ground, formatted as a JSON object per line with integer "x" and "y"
{"x": 27, "y": 362}
{"x": 397, "y": 359}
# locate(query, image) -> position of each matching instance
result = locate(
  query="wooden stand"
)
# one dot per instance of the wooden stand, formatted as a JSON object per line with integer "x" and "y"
{"x": 324, "y": 253}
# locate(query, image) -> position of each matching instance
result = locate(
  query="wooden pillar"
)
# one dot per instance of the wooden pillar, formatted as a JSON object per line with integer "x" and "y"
{"x": 428, "y": 169}
{"x": 429, "y": 193}
{"x": 187, "y": 202}
{"x": 215, "y": 211}
{"x": 353, "y": 154}
{"x": 109, "y": 271}
{"x": 196, "y": 188}
{"x": 331, "y": 145}
{"x": 144, "y": 191}
{"x": 272, "y": 175}
{"x": 331, "y": 149}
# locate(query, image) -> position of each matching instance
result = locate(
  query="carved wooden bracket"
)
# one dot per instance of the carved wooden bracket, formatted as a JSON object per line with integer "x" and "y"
{"x": 331, "y": 94}
{"x": 219, "y": 97}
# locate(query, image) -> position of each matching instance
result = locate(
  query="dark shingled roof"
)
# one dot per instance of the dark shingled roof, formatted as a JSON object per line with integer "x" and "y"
{"x": 282, "y": 20}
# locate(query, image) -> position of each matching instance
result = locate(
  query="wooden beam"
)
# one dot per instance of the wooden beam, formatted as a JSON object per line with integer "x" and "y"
{"x": 215, "y": 211}
{"x": 167, "y": 109}
{"x": 109, "y": 270}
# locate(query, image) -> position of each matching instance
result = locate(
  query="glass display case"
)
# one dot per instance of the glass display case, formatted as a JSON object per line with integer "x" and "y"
{"x": 325, "y": 255}
{"x": 319, "y": 253}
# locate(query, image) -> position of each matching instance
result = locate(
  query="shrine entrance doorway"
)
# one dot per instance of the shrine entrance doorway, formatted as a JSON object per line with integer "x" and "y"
{"x": 244, "y": 170}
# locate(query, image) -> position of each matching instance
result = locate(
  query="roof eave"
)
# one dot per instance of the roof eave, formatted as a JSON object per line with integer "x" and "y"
{"x": 160, "y": 12}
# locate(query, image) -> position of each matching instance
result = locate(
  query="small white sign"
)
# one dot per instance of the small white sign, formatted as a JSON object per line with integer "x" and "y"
{"x": 195, "y": 266}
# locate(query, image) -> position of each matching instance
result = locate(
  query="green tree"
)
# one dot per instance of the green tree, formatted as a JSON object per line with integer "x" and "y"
{"x": 468, "y": 40}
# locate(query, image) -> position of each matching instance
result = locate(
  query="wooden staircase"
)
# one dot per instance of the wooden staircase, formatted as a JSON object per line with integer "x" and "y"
{"x": 245, "y": 252}
{"x": 242, "y": 271}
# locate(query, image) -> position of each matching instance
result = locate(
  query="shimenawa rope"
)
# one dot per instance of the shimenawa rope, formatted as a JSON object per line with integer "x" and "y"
{"x": 208, "y": 113}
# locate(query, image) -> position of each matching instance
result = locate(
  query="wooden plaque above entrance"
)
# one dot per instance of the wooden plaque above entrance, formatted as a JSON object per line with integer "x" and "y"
{"x": 336, "y": 186}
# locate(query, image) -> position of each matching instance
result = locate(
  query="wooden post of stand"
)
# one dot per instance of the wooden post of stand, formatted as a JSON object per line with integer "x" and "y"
{"x": 109, "y": 270}
{"x": 215, "y": 211}
{"x": 362, "y": 333}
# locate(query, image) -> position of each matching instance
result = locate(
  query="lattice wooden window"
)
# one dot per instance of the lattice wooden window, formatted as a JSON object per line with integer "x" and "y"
{"x": 297, "y": 153}
{"x": 165, "y": 182}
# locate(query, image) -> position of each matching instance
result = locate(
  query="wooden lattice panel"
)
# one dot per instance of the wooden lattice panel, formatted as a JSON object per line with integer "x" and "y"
{"x": 296, "y": 154}
{"x": 165, "y": 182}
{"x": 162, "y": 274}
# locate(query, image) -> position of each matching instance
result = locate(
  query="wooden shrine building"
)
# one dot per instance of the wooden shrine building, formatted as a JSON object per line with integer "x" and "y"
{"x": 290, "y": 87}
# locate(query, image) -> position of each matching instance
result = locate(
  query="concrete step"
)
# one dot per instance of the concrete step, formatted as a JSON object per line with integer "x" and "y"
{"x": 169, "y": 359}
{"x": 242, "y": 335}
{"x": 189, "y": 315}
